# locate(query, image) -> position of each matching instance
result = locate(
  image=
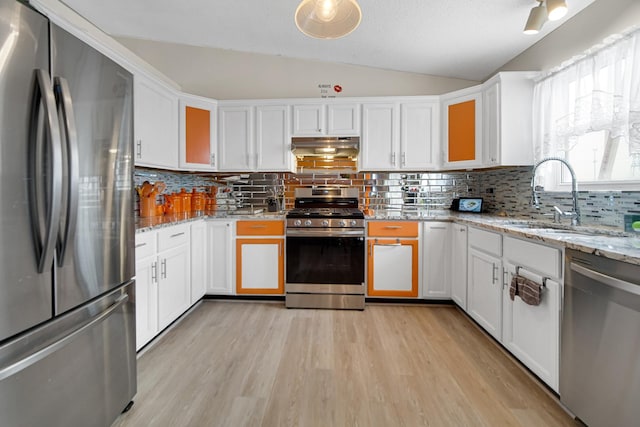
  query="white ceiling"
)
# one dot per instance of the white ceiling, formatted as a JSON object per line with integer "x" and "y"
{"x": 467, "y": 39}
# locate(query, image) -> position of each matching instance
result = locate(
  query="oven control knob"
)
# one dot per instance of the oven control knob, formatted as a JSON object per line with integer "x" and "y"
{"x": 354, "y": 222}
{"x": 342, "y": 223}
{"x": 308, "y": 223}
{"x": 297, "y": 223}
{"x": 325, "y": 223}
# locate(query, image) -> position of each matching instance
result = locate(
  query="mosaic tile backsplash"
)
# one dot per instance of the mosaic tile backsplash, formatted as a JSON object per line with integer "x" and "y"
{"x": 504, "y": 190}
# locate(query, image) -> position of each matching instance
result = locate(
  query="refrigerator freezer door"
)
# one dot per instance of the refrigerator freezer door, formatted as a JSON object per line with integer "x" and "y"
{"x": 78, "y": 370}
{"x": 97, "y": 254}
{"x": 25, "y": 295}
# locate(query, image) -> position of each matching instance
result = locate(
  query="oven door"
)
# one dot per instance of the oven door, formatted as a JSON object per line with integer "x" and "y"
{"x": 320, "y": 261}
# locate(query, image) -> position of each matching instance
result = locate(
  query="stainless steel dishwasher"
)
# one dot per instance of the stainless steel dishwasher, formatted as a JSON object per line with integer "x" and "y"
{"x": 600, "y": 344}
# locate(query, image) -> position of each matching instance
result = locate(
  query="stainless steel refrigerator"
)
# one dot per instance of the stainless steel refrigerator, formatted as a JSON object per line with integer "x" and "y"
{"x": 67, "y": 315}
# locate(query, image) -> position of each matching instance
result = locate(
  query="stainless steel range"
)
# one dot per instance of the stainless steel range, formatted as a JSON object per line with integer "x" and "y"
{"x": 325, "y": 250}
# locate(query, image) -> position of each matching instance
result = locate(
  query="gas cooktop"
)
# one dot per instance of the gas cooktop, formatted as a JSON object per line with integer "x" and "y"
{"x": 350, "y": 213}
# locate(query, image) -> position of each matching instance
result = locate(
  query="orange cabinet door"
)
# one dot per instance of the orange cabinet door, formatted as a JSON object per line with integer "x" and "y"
{"x": 393, "y": 229}
{"x": 392, "y": 267}
{"x": 462, "y": 131}
{"x": 260, "y": 266}
{"x": 198, "y": 135}
{"x": 260, "y": 228}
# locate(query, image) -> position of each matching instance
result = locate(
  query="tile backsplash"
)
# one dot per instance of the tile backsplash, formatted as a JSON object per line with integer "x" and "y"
{"x": 503, "y": 190}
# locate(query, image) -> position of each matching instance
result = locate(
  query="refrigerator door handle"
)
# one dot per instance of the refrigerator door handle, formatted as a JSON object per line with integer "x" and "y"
{"x": 42, "y": 353}
{"x": 45, "y": 203}
{"x": 68, "y": 122}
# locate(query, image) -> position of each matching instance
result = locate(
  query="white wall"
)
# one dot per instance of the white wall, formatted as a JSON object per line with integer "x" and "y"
{"x": 226, "y": 74}
{"x": 588, "y": 28}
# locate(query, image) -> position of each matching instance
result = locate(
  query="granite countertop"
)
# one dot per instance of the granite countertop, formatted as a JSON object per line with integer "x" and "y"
{"x": 608, "y": 242}
{"x": 154, "y": 222}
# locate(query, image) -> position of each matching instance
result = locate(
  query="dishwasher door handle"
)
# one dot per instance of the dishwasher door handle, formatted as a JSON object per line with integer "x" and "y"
{"x": 607, "y": 280}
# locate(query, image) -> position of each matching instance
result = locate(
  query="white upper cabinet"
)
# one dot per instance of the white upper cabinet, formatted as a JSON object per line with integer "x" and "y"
{"x": 235, "y": 136}
{"x": 335, "y": 119}
{"x": 308, "y": 120}
{"x": 155, "y": 124}
{"x": 197, "y": 133}
{"x": 380, "y": 133}
{"x": 273, "y": 139}
{"x": 400, "y": 135}
{"x": 507, "y": 119}
{"x": 254, "y": 137}
{"x": 343, "y": 119}
{"x": 419, "y": 135}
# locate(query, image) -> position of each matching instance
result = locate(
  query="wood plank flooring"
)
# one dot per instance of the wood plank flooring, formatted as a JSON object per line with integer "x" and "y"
{"x": 259, "y": 364}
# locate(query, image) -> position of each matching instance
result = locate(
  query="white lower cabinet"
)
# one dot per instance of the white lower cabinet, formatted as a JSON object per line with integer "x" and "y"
{"x": 484, "y": 291}
{"x": 458, "y": 266}
{"x": 163, "y": 279}
{"x": 146, "y": 300}
{"x": 532, "y": 332}
{"x": 392, "y": 268}
{"x": 220, "y": 257}
{"x": 260, "y": 266}
{"x": 199, "y": 260}
{"x": 174, "y": 290}
{"x": 436, "y": 260}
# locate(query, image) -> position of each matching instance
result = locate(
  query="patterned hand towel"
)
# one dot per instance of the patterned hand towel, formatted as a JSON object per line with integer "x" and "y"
{"x": 513, "y": 287}
{"x": 529, "y": 291}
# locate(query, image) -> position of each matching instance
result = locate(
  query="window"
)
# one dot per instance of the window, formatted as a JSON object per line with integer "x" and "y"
{"x": 588, "y": 113}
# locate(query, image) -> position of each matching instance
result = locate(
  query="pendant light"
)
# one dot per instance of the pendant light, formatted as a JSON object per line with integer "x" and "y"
{"x": 328, "y": 19}
{"x": 556, "y": 9}
{"x": 537, "y": 18}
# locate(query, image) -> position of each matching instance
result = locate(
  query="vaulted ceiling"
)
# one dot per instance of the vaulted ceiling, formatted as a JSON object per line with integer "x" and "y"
{"x": 467, "y": 39}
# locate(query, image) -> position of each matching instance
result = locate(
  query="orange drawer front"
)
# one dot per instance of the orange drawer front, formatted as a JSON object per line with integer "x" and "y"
{"x": 260, "y": 228}
{"x": 393, "y": 229}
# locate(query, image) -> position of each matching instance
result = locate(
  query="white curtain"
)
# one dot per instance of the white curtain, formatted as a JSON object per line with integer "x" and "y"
{"x": 598, "y": 91}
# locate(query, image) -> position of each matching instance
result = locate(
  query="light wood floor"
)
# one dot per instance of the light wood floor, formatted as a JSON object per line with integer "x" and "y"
{"x": 259, "y": 364}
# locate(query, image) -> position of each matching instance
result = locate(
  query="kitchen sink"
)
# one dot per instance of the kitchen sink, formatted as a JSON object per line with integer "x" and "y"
{"x": 244, "y": 211}
{"x": 547, "y": 228}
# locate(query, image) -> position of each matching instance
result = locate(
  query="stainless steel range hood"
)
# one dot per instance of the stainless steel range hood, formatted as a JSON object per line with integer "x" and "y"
{"x": 326, "y": 146}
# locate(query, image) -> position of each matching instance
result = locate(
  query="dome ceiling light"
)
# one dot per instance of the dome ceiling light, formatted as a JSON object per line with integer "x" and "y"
{"x": 328, "y": 19}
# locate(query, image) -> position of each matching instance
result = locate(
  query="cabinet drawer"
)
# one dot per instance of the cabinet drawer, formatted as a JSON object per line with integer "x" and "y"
{"x": 485, "y": 241}
{"x": 260, "y": 228}
{"x": 533, "y": 256}
{"x": 172, "y": 237}
{"x": 145, "y": 244}
{"x": 393, "y": 229}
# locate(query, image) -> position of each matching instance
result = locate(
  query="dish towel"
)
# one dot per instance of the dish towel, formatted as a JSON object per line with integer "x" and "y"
{"x": 529, "y": 291}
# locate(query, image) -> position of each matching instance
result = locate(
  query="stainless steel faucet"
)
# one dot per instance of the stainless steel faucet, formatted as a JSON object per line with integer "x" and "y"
{"x": 535, "y": 202}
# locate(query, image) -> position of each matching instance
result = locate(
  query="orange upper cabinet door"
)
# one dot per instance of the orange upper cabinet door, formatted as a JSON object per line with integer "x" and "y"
{"x": 198, "y": 128}
{"x": 463, "y": 130}
{"x": 197, "y": 143}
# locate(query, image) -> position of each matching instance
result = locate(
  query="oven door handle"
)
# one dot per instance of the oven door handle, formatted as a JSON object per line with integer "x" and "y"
{"x": 324, "y": 233}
